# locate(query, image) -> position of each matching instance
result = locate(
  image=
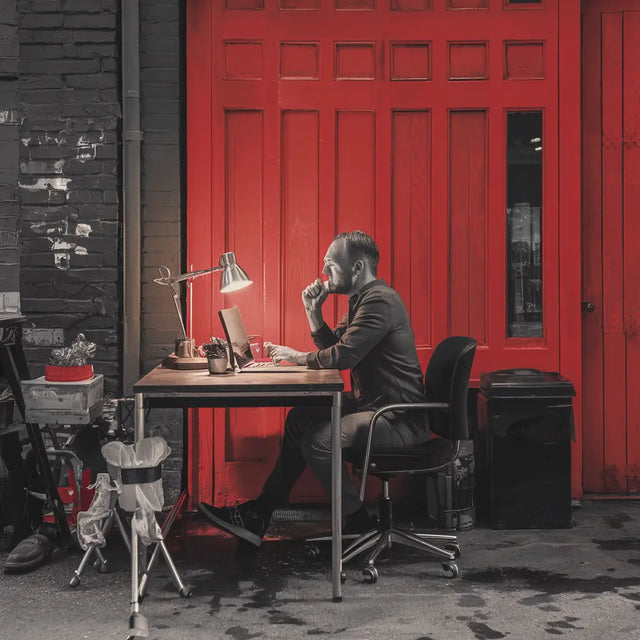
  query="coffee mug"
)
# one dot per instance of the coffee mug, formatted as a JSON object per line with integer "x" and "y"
{"x": 257, "y": 347}
{"x": 185, "y": 348}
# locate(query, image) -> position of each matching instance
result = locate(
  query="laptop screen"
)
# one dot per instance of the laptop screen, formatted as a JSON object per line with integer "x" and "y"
{"x": 237, "y": 338}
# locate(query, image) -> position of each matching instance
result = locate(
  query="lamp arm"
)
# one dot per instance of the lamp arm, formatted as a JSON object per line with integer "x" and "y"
{"x": 197, "y": 274}
{"x": 176, "y": 302}
{"x": 173, "y": 282}
{"x": 187, "y": 276}
{"x": 176, "y": 289}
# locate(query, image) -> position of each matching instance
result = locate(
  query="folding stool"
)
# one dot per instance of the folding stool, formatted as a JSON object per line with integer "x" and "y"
{"x": 95, "y": 523}
{"x": 136, "y": 470}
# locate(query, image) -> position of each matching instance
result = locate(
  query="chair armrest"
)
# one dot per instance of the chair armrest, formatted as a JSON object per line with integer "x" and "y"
{"x": 409, "y": 406}
{"x": 444, "y": 406}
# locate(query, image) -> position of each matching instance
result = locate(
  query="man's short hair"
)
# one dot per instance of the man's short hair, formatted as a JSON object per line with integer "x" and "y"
{"x": 361, "y": 246}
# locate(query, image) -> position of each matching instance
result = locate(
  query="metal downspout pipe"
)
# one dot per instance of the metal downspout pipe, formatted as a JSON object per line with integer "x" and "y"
{"x": 131, "y": 179}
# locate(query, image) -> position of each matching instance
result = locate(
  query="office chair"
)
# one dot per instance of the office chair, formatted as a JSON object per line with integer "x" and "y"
{"x": 446, "y": 386}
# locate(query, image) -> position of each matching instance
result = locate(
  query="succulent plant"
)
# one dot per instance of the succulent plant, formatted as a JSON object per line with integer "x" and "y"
{"x": 217, "y": 348}
{"x": 77, "y": 355}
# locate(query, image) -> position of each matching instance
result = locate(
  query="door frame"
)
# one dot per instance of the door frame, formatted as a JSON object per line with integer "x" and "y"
{"x": 570, "y": 215}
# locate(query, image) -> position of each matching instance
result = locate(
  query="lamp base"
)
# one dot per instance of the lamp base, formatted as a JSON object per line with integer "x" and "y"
{"x": 174, "y": 362}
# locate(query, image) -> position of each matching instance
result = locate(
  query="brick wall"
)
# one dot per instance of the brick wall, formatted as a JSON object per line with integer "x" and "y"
{"x": 10, "y": 117}
{"x": 69, "y": 178}
{"x": 69, "y": 145}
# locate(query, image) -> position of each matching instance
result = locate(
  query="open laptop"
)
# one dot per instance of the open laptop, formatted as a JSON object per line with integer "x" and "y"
{"x": 240, "y": 356}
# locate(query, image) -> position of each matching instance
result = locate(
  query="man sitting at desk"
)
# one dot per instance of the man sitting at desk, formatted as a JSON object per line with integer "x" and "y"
{"x": 375, "y": 342}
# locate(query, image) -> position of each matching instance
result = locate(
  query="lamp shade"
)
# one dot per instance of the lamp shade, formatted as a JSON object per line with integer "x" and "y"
{"x": 233, "y": 277}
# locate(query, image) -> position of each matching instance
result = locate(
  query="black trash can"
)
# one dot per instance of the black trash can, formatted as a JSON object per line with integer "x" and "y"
{"x": 525, "y": 426}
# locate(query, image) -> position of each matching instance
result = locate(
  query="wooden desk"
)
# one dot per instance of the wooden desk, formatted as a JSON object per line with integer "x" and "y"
{"x": 197, "y": 388}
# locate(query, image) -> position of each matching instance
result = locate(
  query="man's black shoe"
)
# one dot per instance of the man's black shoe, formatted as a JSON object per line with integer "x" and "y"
{"x": 242, "y": 520}
{"x": 29, "y": 554}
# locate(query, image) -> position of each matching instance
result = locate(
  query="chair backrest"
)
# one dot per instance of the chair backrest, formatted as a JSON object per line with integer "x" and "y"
{"x": 447, "y": 380}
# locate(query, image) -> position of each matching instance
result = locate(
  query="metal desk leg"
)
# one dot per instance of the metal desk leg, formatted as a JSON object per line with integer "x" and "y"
{"x": 138, "y": 436}
{"x": 138, "y": 432}
{"x": 336, "y": 498}
{"x": 138, "y": 625}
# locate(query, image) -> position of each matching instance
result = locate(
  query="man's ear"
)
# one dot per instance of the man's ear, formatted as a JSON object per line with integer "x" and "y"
{"x": 358, "y": 266}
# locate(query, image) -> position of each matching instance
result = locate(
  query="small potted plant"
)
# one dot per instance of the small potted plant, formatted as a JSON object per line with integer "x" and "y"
{"x": 216, "y": 354}
{"x": 70, "y": 364}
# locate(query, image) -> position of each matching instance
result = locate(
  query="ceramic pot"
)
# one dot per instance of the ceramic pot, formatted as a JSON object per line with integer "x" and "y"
{"x": 217, "y": 365}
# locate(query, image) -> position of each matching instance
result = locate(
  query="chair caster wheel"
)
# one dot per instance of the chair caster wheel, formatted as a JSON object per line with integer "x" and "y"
{"x": 343, "y": 577}
{"x": 449, "y": 569}
{"x": 103, "y": 567}
{"x": 312, "y": 551}
{"x": 74, "y": 582}
{"x": 454, "y": 548}
{"x": 185, "y": 592}
{"x": 96, "y": 563}
{"x": 370, "y": 574}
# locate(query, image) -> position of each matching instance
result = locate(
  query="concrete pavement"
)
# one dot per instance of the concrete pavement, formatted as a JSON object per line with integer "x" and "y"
{"x": 579, "y": 583}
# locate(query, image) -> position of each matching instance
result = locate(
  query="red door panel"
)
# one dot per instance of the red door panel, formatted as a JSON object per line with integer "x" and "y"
{"x": 468, "y": 224}
{"x": 411, "y": 190}
{"x": 309, "y": 117}
{"x": 631, "y": 263}
{"x": 611, "y": 267}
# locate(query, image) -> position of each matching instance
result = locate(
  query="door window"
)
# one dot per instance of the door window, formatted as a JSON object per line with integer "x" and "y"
{"x": 524, "y": 224}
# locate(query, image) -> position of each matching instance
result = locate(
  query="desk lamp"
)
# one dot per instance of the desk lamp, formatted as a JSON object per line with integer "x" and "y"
{"x": 233, "y": 279}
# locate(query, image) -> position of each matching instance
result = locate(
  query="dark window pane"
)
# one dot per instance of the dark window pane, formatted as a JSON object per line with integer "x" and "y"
{"x": 524, "y": 224}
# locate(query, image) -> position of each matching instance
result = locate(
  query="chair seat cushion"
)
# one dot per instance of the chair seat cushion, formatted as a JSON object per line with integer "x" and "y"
{"x": 414, "y": 459}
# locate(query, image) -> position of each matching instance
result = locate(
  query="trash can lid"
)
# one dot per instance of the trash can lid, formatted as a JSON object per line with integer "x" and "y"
{"x": 525, "y": 383}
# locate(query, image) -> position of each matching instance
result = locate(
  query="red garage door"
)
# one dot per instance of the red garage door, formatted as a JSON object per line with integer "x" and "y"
{"x": 431, "y": 124}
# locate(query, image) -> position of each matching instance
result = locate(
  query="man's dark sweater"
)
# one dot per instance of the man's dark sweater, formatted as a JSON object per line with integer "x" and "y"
{"x": 376, "y": 342}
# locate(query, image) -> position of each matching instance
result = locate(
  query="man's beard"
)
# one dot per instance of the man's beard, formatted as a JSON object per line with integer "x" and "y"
{"x": 341, "y": 286}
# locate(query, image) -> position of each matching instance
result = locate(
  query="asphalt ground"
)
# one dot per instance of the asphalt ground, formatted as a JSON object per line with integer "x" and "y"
{"x": 580, "y": 583}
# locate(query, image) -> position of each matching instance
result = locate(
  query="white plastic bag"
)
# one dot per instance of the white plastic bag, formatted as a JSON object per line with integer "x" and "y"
{"x": 144, "y": 499}
{"x": 91, "y": 521}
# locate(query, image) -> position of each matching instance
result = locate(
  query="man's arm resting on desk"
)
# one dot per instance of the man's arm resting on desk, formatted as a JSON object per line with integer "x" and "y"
{"x": 279, "y": 354}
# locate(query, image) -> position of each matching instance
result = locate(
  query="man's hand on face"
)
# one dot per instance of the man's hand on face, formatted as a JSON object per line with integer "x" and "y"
{"x": 314, "y": 295}
{"x": 278, "y": 353}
